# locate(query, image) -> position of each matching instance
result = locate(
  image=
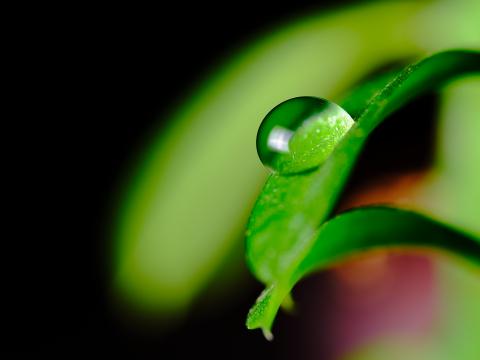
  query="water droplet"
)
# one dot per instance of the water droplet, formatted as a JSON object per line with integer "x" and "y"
{"x": 299, "y": 134}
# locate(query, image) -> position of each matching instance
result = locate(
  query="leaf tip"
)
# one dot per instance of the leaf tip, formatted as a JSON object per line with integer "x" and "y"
{"x": 267, "y": 334}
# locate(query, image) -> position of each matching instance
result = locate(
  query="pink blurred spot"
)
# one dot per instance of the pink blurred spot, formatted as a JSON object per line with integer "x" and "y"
{"x": 379, "y": 295}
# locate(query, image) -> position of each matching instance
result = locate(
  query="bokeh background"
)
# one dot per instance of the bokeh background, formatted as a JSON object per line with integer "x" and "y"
{"x": 138, "y": 169}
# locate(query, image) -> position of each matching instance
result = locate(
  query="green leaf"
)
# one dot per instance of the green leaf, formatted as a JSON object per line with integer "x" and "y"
{"x": 283, "y": 224}
{"x": 358, "y": 231}
{"x": 177, "y": 221}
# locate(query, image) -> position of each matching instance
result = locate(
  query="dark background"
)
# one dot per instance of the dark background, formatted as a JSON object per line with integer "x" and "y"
{"x": 92, "y": 85}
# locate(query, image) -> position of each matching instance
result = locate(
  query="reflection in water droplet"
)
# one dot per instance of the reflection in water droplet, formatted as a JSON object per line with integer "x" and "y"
{"x": 299, "y": 134}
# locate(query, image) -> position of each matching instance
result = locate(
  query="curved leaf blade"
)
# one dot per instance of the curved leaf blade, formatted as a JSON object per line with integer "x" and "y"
{"x": 289, "y": 209}
{"x": 282, "y": 234}
{"x": 374, "y": 227}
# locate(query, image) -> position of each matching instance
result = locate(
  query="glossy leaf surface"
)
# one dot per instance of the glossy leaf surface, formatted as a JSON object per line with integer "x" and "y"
{"x": 358, "y": 231}
{"x": 282, "y": 228}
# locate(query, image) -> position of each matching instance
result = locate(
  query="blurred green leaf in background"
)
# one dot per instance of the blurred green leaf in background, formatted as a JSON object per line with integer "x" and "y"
{"x": 186, "y": 204}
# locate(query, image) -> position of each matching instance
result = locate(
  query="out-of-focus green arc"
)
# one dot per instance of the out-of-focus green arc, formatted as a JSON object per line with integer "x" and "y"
{"x": 189, "y": 199}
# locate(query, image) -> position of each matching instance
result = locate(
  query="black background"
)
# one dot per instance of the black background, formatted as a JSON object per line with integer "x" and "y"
{"x": 91, "y": 84}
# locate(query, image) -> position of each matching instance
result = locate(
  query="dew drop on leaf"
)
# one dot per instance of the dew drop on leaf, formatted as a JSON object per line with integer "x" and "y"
{"x": 299, "y": 134}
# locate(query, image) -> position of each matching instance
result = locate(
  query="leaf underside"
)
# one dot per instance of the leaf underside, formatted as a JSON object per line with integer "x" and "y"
{"x": 362, "y": 230}
{"x": 286, "y": 239}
